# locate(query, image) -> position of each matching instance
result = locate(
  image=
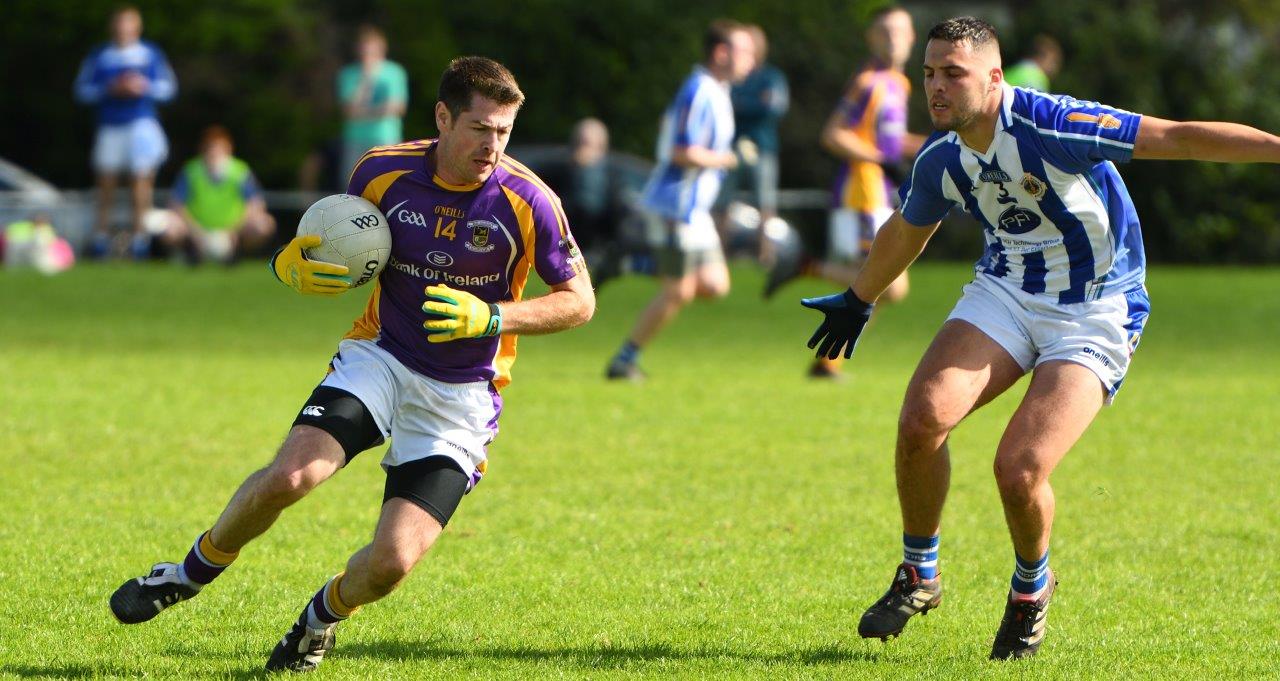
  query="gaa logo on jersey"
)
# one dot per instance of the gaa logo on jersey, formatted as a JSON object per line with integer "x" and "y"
{"x": 480, "y": 231}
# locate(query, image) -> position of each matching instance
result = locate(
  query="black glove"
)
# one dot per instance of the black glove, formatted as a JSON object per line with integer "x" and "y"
{"x": 846, "y": 315}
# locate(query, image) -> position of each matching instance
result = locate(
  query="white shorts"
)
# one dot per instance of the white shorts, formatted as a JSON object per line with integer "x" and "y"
{"x": 138, "y": 147}
{"x": 1033, "y": 328}
{"x": 423, "y": 417}
{"x": 850, "y": 232}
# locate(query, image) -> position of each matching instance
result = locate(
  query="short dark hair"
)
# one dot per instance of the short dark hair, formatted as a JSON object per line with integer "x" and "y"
{"x": 369, "y": 32}
{"x": 884, "y": 11}
{"x": 972, "y": 30}
{"x": 214, "y": 134}
{"x": 719, "y": 32}
{"x": 466, "y": 76}
{"x": 1044, "y": 45}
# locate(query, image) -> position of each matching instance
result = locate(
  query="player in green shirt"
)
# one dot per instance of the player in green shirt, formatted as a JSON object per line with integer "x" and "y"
{"x": 1041, "y": 64}
{"x": 218, "y": 204}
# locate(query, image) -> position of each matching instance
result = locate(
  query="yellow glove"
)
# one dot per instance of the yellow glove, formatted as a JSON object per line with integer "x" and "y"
{"x": 457, "y": 314}
{"x": 294, "y": 270}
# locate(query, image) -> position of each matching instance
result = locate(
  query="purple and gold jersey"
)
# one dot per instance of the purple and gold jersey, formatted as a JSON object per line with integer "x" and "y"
{"x": 480, "y": 238}
{"x": 875, "y": 109}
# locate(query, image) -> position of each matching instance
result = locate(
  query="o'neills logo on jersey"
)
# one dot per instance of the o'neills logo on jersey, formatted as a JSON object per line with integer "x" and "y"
{"x": 1106, "y": 120}
{"x": 480, "y": 231}
{"x": 994, "y": 175}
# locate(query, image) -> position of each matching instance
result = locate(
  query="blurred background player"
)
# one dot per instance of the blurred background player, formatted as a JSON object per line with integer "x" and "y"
{"x": 694, "y": 150}
{"x": 219, "y": 205}
{"x": 759, "y": 103}
{"x": 422, "y": 365}
{"x": 374, "y": 93}
{"x": 125, "y": 79}
{"x": 868, "y": 132}
{"x": 1039, "y": 66}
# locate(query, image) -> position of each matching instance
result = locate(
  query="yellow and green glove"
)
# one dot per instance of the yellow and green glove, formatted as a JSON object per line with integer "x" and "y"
{"x": 455, "y": 314}
{"x": 294, "y": 270}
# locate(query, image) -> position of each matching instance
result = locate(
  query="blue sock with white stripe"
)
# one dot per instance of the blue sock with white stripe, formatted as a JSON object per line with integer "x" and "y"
{"x": 1030, "y": 577}
{"x": 921, "y": 553}
{"x": 628, "y": 353}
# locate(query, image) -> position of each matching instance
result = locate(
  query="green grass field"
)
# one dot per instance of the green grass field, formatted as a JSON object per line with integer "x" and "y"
{"x": 728, "y": 518}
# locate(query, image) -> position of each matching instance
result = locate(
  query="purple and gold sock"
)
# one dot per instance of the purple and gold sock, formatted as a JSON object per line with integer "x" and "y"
{"x": 326, "y": 607}
{"x": 204, "y": 562}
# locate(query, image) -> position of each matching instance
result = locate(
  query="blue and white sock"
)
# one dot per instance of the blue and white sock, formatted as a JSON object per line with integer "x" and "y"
{"x": 922, "y": 554}
{"x": 628, "y": 353}
{"x": 1030, "y": 577}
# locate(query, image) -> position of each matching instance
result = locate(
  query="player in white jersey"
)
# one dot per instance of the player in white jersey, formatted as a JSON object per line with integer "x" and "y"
{"x": 693, "y": 153}
{"x": 1058, "y": 293}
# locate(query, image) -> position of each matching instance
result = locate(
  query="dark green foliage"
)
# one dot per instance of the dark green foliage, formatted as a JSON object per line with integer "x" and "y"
{"x": 265, "y": 68}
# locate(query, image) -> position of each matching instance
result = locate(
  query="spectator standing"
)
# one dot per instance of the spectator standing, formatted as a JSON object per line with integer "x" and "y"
{"x": 374, "y": 92}
{"x": 759, "y": 103}
{"x": 125, "y": 79}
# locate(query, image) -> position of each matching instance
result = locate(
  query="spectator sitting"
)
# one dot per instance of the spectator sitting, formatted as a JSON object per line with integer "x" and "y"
{"x": 592, "y": 195}
{"x": 219, "y": 205}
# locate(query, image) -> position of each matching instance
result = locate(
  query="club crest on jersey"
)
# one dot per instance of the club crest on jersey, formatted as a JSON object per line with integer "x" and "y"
{"x": 480, "y": 230}
{"x": 1033, "y": 186}
{"x": 1018, "y": 220}
{"x": 994, "y": 175}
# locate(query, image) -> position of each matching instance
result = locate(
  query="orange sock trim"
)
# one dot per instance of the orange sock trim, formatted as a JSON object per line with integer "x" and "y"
{"x": 333, "y": 598}
{"x": 213, "y": 553}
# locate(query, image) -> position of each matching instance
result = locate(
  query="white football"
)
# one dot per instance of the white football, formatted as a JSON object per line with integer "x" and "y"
{"x": 354, "y": 233}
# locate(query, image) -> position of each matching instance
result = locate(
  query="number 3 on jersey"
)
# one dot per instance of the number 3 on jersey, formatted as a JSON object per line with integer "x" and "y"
{"x": 446, "y": 230}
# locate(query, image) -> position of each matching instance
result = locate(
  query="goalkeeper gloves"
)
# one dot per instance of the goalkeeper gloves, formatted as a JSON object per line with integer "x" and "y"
{"x": 454, "y": 314}
{"x": 846, "y": 316}
{"x": 294, "y": 270}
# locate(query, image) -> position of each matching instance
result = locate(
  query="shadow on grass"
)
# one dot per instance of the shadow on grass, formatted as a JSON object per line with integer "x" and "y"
{"x": 84, "y": 671}
{"x": 595, "y": 657}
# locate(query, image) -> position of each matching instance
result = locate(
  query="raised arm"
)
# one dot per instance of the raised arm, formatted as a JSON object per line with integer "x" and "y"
{"x": 1204, "y": 141}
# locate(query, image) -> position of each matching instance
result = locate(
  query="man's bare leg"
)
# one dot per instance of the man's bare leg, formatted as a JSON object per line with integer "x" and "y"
{"x": 308, "y": 457}
{"x": 1061, "y": 402}
{"x": 962, "y": 370}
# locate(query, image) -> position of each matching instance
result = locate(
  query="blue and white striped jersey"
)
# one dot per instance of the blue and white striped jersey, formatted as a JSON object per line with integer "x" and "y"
{"x": 1057, "y": 218}
{"x": 700, "y": 116}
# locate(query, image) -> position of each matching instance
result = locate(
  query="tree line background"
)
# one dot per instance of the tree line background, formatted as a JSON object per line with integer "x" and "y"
{"x": 265, "y": 69}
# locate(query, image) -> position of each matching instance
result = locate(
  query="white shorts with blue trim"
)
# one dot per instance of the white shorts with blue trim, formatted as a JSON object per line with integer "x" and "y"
{"x": 850, "y": 232}
{"x": 137, "y": 147}
{"x": 423, "y": 417}
{"x": 1033, "y": 328}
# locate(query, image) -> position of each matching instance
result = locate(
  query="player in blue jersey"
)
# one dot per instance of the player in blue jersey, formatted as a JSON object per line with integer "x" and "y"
{"x": 1058, "y": 293}
{"x": 124, "y": 80}
{"x": 694, "y": 150}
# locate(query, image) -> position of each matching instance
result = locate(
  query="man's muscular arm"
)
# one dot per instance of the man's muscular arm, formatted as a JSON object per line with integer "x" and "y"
{"x": 569, "y": 304}
{"x": 1204, "y": 141}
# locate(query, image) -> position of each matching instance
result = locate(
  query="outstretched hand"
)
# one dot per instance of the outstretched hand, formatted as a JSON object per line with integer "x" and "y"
{"x": 846, "y": 315}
